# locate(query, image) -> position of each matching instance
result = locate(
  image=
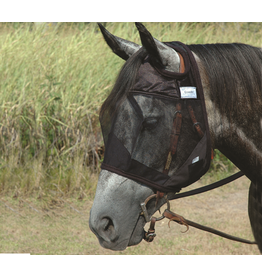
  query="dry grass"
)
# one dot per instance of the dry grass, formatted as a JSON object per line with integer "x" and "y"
{"x": 60, "y": 226}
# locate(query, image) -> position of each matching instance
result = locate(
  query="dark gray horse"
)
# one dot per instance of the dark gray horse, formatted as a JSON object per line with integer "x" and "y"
{"x": 231, "y": 79}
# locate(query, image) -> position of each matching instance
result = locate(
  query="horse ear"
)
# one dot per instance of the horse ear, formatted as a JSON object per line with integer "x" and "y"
{"x": 119, "y": 46}
{"x": 159, "y": 51}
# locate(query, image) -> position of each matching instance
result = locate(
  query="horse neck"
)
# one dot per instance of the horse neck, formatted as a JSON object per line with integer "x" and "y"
{"x": 237, "y": 136}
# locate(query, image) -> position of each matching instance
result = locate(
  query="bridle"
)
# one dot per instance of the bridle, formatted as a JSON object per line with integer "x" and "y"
{"x": 174, "y": 138}
{"x": 150, "y": 234}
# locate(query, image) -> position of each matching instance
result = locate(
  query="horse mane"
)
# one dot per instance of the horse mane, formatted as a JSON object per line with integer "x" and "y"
{"x": 234, "y": 74}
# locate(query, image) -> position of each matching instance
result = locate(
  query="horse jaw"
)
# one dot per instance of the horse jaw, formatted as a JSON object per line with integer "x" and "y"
{"x": 115, "y": 215}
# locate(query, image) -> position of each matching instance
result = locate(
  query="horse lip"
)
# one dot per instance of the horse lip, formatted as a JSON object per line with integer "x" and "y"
{"x": 135, "y": 237}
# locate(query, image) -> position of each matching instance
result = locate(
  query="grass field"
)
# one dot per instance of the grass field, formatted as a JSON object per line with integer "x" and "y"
{"x": 61, "y": 227}
{"x": 53, "y": 80}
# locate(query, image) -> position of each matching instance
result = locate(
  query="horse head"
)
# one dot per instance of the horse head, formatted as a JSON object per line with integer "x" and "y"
{"x": 136, "y": 127}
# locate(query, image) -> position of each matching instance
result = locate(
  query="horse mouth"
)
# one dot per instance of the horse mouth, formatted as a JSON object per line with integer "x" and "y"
{"x": 111, "y": 239}
{"x": 138, "y": 232}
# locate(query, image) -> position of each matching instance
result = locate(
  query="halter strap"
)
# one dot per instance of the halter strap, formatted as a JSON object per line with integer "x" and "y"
{"x": 176, "y": 130}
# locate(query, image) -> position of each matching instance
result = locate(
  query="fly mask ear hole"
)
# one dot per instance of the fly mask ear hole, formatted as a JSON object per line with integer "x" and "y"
{"x": 161, "y": 54}
{"x": 149, "y": 43}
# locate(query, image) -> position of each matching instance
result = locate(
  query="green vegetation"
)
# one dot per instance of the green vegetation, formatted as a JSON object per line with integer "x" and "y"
{"x": 53, "y": 80}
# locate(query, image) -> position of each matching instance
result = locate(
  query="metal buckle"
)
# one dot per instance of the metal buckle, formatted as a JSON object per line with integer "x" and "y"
{"x": 178, "y": 111}
{"x": 144, "y": 209}
{"x": 195, "y": 125}
{"x": 149, "y": 237}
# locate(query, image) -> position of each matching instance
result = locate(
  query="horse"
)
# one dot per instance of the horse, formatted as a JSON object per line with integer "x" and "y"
{"x": 231, "y": 81}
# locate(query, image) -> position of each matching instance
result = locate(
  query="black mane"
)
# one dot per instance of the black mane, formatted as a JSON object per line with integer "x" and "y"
{"x": 234, "y": 72}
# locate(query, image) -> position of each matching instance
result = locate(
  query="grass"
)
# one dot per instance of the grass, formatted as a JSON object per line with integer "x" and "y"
{"x": 57, "y": 227}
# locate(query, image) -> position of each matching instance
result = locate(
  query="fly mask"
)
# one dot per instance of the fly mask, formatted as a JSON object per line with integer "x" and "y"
{"x": 169, "y": 94}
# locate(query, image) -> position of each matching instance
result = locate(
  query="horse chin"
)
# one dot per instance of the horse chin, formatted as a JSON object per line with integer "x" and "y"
{"x": 138, "y": 233}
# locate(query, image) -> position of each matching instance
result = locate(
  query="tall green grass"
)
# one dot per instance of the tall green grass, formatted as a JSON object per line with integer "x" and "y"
{"x": 53, "y": 80}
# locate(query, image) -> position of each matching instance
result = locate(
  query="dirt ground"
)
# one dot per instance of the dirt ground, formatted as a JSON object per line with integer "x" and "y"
{"x": 28, "y": 226}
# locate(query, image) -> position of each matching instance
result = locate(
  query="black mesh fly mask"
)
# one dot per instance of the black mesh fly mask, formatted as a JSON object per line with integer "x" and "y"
{"x": 158, "y": 135}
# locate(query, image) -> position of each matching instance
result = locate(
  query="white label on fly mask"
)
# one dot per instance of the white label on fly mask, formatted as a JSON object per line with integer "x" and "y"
{"x": 196, "y": 159}
{"x": 188, "y": 92}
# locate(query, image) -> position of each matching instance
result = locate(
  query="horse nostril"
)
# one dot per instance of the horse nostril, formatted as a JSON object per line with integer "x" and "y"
{"x": 107, "y": 224}
{"x": 106, "y": 229}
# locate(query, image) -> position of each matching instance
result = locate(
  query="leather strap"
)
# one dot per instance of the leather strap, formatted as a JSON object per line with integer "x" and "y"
{"x": 176, "y": 129}
{"x": 182, "y": 64}
{"x": 209, "y": 187}
{"x": 194, "y": 120}
{"x": 181, "y": 220}
{"x": 174, "y": 137}
{"x": 149, "y": 236}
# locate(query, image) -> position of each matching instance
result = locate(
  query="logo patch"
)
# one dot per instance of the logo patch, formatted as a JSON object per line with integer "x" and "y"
{"x": 188, "y": 92}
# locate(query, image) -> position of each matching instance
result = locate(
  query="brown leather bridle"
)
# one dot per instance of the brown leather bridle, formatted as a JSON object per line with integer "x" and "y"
{"x": 150, "y": 234}
{"x": 174, "y": 138}
{"x": 176, "y": 130}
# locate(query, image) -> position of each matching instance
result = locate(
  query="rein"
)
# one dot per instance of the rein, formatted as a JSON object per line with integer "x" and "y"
{"x": 174, "y": 137}
{"x": 150, "y": 234}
